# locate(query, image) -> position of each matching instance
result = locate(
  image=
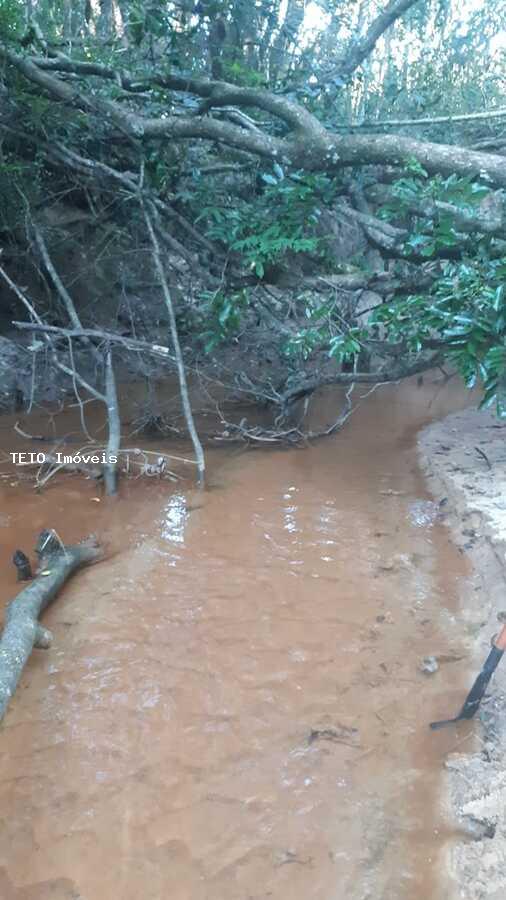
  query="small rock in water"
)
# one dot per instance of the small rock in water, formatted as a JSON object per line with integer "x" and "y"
{"x": 429, "y": 665}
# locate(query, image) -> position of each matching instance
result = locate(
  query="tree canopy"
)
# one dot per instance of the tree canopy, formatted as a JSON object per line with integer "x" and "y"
{"x": 324, "y": 182}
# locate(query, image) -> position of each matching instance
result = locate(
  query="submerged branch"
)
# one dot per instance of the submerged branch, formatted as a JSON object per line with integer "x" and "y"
{"x": 22, "y": 631}
{"x": 310, "y": 384}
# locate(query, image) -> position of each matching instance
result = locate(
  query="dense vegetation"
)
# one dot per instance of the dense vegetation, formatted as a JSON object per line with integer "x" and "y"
{"x": 302, "y": 193}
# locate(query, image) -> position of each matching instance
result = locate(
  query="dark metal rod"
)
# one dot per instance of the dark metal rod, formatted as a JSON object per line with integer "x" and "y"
{"x": 479, "y": 687}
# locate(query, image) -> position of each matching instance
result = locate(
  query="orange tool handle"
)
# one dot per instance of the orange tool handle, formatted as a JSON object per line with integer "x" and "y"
{"x": 500, "y": 639}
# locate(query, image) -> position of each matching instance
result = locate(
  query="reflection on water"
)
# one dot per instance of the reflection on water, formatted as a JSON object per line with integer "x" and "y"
{"x": 232, "y": 708}
{"x": 423, "y": 513}
{"x": 175, "y": 518}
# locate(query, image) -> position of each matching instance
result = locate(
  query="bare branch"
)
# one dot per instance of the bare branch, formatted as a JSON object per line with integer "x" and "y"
{"x": 361, "y": 49}
{"x": 183, "y": 384}
{"x": 114, "y": 425}
{"x": 60, "y": 287}
{"x": 108, "y": 336}
{"x": 489, "y": 218}
{"x": 313, "y": 382}
{"x": 499, "y": 113}
{"x": 63, "y": 368}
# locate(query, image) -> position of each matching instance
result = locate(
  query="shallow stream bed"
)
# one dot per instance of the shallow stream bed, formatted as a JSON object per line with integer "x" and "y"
{"x": 233, "y": 707}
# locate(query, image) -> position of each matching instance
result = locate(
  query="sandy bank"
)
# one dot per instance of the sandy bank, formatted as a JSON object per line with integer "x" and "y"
{"x": 464, "y": 457}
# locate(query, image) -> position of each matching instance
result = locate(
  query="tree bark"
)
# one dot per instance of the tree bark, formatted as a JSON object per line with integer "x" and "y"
{"x": 286, "y": 36}
{"x": 22, "y": 630}
{"x": 114, "y": 426}
{"x": 308, "y": 144}
{"x": 363, "y": 48}
{"x": 499, "y": 113}
{"x": 183, "y": 384}
{"x": 307, "y": 385}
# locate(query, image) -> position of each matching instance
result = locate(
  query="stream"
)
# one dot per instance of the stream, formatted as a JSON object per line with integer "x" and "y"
{"x": 233, "y": 707}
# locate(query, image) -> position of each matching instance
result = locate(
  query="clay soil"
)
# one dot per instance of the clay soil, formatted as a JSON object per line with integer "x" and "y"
{"x": 464, "y": 457}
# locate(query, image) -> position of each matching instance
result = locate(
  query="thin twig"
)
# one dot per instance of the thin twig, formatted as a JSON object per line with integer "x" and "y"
{"x": 29, "y": 437}
{"x": 484, "y": 456}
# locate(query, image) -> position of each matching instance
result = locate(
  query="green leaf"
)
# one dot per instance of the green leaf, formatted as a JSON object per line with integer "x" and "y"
{"x": 415, "y": 167}
{"x": 498, "y": 297}
{"x": 489, "y": 396}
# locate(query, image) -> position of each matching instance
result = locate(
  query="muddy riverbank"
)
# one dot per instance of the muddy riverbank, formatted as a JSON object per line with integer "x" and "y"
{"x": 233, "y": 706}
{"x": 464, "y": 457}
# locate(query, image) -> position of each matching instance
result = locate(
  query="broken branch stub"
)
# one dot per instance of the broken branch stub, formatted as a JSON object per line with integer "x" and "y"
{"x": 22, "y": 630}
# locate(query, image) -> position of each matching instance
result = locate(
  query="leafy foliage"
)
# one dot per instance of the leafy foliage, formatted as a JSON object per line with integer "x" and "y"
{"x": 465, "y": 313}
{"x": 431, "y": 233}
{"x": 11, "y": 19}
{"x": 429, "y": 63}
{"x": 327, "y": 330}
{"x": 282, "y": 219}
{"x": 222, "y": 316}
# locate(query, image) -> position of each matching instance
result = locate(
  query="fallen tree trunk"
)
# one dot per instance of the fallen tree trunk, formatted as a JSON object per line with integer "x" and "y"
{"x": 307, "y": 145}
{"x": 22, "y": 630}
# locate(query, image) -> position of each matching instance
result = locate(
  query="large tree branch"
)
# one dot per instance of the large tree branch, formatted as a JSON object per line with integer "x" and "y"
{"x": 220, "y": 93}
{"x": 361, "y": 49}
{"x": 136, "y": 126}
{"x": 309, "y": 146}
{"x": 213, "y": 92}
{"x": 330, "y": 152}
{"x": 308, "y": 385}
{"x": 446, "y": 159}
{"x": 488, "y": 218}
{"x": 382, "y": 283}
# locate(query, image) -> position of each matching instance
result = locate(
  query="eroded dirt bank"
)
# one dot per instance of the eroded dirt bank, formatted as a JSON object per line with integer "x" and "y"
{"x": 233, "y": 707}
{"x": 465, "y": 459}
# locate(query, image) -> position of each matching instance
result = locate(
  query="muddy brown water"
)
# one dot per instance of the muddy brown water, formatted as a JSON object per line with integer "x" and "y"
{"x": 232, "y": 708}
